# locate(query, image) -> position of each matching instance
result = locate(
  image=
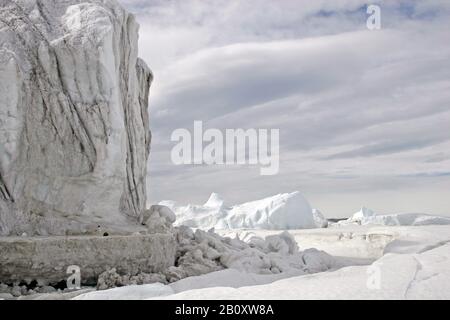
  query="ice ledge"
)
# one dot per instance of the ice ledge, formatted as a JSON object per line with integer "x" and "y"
{"x": 46, "y": 259}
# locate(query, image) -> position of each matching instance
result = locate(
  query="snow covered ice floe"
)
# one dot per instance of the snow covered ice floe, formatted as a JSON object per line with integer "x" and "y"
{"x": 280, "y": 212}
{"x": 413, "y": 264}
{"x": 366, "y": 216}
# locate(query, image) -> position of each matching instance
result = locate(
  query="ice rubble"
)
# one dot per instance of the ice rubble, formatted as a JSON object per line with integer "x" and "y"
{"x": 367, "y": 217}
{"x": 200, "y": 252}
{"x": 280, "y": 212}
{"x": 207, "y": 259}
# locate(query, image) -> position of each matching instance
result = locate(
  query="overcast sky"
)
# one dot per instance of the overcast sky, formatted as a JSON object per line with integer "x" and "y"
{"x": 364, "y": 116}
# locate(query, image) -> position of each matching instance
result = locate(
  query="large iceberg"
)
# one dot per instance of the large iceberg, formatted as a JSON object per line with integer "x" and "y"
{"x": 74, "y": 132}
{"x": 280, "y": 212}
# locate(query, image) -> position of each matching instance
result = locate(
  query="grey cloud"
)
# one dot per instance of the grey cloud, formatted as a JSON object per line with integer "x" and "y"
{"x": 427, "y": 174}
{"x": 386, "y": 147}
{"x": 359, "y": 112}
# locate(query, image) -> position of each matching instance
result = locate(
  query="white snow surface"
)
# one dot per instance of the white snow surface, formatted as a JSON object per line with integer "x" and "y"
{"x": 133, "y": 292}
{"x": 280, "y": 212}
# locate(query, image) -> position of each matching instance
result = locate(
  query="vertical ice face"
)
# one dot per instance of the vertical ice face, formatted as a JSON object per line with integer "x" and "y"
{"x": 74, "y": 132}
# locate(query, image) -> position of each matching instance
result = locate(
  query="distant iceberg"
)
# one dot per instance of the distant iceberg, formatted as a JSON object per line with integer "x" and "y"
{"x": 366, "y": 216}
{"x": 280, "y": 212}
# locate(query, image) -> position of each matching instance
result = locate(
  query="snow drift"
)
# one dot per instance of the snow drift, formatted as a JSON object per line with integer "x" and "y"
{"x": 280, "y": 212}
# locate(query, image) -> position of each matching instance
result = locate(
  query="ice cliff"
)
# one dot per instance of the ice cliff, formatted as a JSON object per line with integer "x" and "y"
{"x": 74, "y": 132}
